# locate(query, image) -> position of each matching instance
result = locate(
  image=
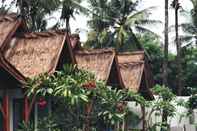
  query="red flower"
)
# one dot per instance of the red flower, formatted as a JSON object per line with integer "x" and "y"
{"x": 89, "y": 85}
{"x": 42, "y": 103}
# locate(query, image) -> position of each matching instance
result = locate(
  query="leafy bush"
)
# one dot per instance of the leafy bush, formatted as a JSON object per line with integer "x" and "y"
{"x": 79, "y": 100}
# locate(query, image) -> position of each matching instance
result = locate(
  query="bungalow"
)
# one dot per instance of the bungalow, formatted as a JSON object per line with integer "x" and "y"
{"x": 26, "y": 55}
{"x": 135, "y": 73}
{"x": 102, "y": 62}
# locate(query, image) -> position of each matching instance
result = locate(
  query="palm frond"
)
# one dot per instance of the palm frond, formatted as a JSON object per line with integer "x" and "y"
{"x": 188, "y": 28}
{"x": 145, "y": 22}
{"x": 141, "y": 29}
{"x": 184, "y": 39}
{"x": 139, "y": 15}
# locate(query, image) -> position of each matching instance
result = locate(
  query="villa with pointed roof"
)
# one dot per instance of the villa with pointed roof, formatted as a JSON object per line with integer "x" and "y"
{"x": 26, "y": 55}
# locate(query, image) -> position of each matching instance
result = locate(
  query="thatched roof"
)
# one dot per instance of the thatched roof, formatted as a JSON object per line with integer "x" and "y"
{"x": 8, "y": 25}
{"x": 134, "y": 70}
{"x": 97, "y": 61}
{"x": 36, "y": 53}
{"x": 7, "y": 68}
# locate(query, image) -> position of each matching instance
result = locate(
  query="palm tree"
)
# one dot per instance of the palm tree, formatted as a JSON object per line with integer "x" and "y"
{"x": 176, "y": 6}
{"x": 165, "y": 62}
{"x": 69, "y": 9}
{"x": 190, "y": 38}
{"x": 166, "y": 42}
{"x": 119, "y": 19}
{"x": 34, "y": 12}
{"x": 3, "y": 7}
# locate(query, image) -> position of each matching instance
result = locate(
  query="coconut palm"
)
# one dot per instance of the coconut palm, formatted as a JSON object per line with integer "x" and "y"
{"x": 119, "y": 19}
{"x": 176, "y": 6}
{"x": 69, "y": 9}
{"x": 4, "y": 9}
{"x": 190, "y": 29}
{"x": 34, "y": 12}
{"x": 166, "y": 42}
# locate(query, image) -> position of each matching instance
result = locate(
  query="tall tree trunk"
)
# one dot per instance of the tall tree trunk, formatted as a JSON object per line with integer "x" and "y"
{"x": 22, "y": 8}
{"x": 68, "y": 25}
{"x": 165, "y": 62}
{"x": 178, "y": 46}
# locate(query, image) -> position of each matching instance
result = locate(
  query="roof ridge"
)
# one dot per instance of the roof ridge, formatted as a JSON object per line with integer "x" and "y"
{"x": 8, "y": 17}
{"x": 131, "y": 53}
{"x": 48, "y": 33}
{"x": 95, "y": 51}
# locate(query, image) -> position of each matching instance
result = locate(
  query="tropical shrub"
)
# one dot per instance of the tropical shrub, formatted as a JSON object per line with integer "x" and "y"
{"x": 79, "y": 101}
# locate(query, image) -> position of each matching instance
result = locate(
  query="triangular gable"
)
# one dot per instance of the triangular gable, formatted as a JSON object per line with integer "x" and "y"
{"x": 33, "y": 54}
{"x": 8, "y": 73}
{"x": 99, "y": 62}
{"x": 8, "y": 25}
{"x": 134, "y": 70}
{"x": 131, "y": 75}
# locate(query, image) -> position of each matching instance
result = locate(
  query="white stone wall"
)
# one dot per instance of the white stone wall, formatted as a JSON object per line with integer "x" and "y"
{"x": 177, "y": 121}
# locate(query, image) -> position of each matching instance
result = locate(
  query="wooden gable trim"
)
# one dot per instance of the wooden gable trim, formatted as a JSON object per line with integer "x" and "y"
{"x": 18, "y": 22}
{"x": 6, "y": 118}
{"x": 11, "y": 69}
{"x": 66, "y": 48}
{"x": 70, "y": 48}
{"x": 110, "y": 66}
{"x": 118, "y": 72}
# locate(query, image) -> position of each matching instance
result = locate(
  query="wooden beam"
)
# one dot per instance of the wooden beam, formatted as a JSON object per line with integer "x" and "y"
{"x": 88, "y": 110}
{"x": 6, "y": 118}
{"x": 1, "y": 110}
{"x": 28, "y": 106}
{"x": 26, "y": 110}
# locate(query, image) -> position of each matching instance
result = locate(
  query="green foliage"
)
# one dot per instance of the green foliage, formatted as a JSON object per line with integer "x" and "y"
{"x": 164, "y": 103}
{"x": 189, "y": 58}
{"x": 45, "y": 124}
{"x": 192, "y": 102}
{"x": 77, "y": 98}
{"x": 26, "y": 127}
{"x": 113, "y": 23}
{"x": 72, "y": 90}
{"x": 152, "y": 46}
{"x": 35, "y": 11}
{"x": 69, "y": 9}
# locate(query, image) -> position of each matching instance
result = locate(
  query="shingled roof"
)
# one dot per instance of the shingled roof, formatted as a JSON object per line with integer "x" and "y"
{"x": 37, "y": 53}
{"x": 135, "y": 71}
{"x": 101, "y": 62}
{"x": 9, "y": 23}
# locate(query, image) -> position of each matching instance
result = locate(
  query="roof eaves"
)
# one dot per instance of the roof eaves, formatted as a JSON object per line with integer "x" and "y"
{"x": 8, "y": 38}
{"x": 12, "y": 70}
{"x": 119, "y": 73}
{"x": 66, "y": 40}
{"x": 111, "y": 64}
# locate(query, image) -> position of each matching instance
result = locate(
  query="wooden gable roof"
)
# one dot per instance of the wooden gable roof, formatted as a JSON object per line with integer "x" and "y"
{"x": 9, "y": 73}
{"x": 33, "y": 54}
{"x": 101, "y": 62}
{"x": 9, "y": 23}
{"x": 134, "y": 71}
